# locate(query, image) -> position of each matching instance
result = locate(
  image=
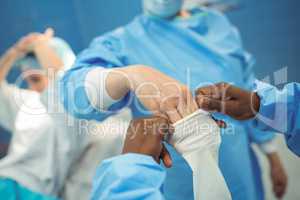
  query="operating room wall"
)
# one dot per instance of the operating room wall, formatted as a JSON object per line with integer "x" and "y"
{"x": 271, "y": 32}
{"x": 77, "y": 21}
{"x": 270, "y": 28}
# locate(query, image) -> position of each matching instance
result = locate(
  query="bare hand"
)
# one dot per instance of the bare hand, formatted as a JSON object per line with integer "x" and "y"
{"x": 145, "y": 136}
{"x": 228, "y": 99}
{"x": 160, "y": 93}
{"x": 278, "y": 176}
{"x": 27, "y": 43}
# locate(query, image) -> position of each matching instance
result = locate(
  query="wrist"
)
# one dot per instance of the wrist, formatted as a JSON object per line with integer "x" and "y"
{"x": 39, "y": 45}
{"x": 255, "y": 103}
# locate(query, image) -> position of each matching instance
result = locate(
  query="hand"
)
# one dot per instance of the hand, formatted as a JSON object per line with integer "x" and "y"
{"x": 278, "y": 176}
{"x": 43, "y": 38}
{"x": 228, "y": 99}
{"x": 160, "y": 93}
{"x": 28, "y": 43}
{"x": 145, "y": 136}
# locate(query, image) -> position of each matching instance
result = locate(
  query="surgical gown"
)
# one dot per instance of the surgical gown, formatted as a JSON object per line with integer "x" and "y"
{"x": 203, "y": 49}
{"x": 279, "y": 111}
{"x": 139, "y": 178}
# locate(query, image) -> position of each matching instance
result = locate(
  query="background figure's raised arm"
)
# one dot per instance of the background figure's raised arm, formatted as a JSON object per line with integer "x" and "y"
{"x": 8, "y": 93}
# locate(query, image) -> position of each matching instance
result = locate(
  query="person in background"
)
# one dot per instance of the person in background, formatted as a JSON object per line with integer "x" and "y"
{"x": 151, "y": 65}
{"x": 43, "y": 147}
{"x": 141, "y": 176}
{"x": 270, "y": 108}
{"x": 278, "y": 176}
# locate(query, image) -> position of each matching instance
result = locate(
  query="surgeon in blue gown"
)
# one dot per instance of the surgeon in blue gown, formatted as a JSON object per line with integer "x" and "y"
{"x": 269, "y": 108}
{"x": 197, "y": 48}
{"x": 140, "y": 177}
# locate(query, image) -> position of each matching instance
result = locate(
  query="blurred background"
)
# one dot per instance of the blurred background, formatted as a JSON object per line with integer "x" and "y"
{"x": 270, "y": 30}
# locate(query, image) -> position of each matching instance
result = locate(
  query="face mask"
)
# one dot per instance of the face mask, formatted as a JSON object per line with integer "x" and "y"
{"x": 162, "y": 8}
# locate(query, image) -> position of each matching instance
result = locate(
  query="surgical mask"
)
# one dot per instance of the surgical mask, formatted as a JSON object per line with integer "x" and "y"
{"x": 162, "y": 8}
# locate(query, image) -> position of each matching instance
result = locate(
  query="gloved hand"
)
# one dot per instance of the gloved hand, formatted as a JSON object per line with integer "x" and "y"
{"x": 145, "y": 136}
{"x": 228, "y": 99}
{"x": 197, "y": 138}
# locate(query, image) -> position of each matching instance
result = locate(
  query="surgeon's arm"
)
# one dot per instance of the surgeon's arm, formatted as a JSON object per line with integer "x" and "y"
{"x": 274, "y": 109}
{"x": 100, "y": 84}
{"x": 266, "y": 141}
{"x": 136, "y": 174}
{"x": 278, "y": 175}
{"x": 280, "y": 110}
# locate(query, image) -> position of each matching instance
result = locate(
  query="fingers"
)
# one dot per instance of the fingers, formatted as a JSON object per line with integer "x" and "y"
{"x": 223, "y": 91}
{"x": 220, "y": 123}
{"x": 209, "y": 104}
{"x": 174, "y": 115}
{"x": 164, "y": 126}
{"x": 211, "y": 91}
{"x": 168, "y": 107}
{"x": 279, "y": 191}
{"x": 182, "y": 108}
{"x": 49, "y": 33}
{"x": 279, "y": 188}
{"x": 189, "y": 100}
{"x": 226, "y": 107}
{"x": 166, "y": 157}
{"x": 186, "y": 103}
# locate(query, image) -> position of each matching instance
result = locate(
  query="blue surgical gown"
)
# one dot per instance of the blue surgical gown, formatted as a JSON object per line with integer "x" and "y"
{"x": 279, "y": 111}
{"x": 129, "y": 176}
{"x": 197, "y": 51}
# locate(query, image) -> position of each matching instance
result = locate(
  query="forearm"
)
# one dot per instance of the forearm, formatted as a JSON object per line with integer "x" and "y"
{"x": 107, "y": 86}
{"x": 6, "y": 63}
{"x": 273, "y": 158}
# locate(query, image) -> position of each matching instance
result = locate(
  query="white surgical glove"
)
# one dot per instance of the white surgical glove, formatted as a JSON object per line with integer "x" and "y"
{"x": 197, "y": 138}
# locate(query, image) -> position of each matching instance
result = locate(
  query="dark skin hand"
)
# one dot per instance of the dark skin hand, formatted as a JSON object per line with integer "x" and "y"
{"x": 145, "y": 136}
{"x": 278, "y": 176}
{"x": 229, "y": 100}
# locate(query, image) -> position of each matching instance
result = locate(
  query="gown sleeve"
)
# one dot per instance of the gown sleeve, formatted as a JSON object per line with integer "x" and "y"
{"x": 279, "y": 111}
{"x": 104, "y": 52}
{"x": 130, "y": 176}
